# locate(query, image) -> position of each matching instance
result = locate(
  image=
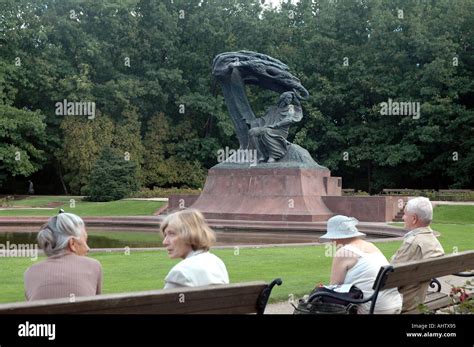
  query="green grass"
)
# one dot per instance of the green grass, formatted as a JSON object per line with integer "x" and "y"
{"x": 42, "y": 200}
{"x": 84, "y": 208}
{"x": 450, "y": 214}
{"x": 301, "y": 268}
{"x": 455, "y": 237}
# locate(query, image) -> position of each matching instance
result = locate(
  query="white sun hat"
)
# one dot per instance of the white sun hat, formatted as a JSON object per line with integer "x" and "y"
{"x": 341, "y": 227}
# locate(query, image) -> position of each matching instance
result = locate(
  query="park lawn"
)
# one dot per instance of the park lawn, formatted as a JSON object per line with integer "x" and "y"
{"x": 87, "y": 208}
{"x": 454, "y": 214}
{"x": 300, "y": 268}
{"x": 43, "y": 200}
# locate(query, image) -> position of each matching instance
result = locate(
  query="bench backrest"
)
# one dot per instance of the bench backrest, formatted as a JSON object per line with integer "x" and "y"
{"x": 400, "y": 190}
{"x": 236, "y": 298}
{"x": 426, "y": 269}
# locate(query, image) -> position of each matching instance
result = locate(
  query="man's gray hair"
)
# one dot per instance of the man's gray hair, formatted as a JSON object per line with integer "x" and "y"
{"x": 54, "y": 236}
{"x": 422, "y": 207}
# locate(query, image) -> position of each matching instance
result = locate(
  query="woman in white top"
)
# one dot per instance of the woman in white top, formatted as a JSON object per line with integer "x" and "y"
{"x": 358, "y": 262}
{"x": 187, "y": 236}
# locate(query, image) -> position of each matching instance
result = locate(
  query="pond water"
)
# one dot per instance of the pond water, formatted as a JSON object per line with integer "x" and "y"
{"x": 140, "y": 239}
{"x": 104, "y": 239}
{"x": 94, "y": 241}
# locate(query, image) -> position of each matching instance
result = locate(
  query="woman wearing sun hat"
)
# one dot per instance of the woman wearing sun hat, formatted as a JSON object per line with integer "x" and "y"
{"x": 358, "y": 262}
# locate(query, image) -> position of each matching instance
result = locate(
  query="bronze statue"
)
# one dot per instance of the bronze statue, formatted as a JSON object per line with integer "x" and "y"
{"x": 268, "y": 134}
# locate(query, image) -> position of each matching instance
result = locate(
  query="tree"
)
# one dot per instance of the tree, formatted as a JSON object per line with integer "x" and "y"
{"x": 127, "y": 138}
{"x": 166, "y": 164}
{"x": 154, "y": 169}
{"x": 139, "y": 58}
{"x": 84, "y": 139}
{"x": 22, "y": 137}
{"x": 112, "y": 177}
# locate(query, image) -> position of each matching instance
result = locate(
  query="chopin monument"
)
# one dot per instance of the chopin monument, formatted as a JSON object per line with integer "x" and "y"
{"x": 282, "y": 182}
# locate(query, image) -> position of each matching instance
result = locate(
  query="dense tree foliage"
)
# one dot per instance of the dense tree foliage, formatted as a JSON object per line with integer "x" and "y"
{"x": 146, "y": 66}
{"x": 22, "y": 134}
{"x": 112, "y": 177}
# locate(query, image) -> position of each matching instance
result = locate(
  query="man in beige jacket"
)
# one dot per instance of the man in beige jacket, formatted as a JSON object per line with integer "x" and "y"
{"x": 419, "y": 243}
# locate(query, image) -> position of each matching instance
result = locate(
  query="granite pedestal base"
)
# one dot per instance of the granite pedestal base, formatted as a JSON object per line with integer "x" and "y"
{"x": 268, "y": 194}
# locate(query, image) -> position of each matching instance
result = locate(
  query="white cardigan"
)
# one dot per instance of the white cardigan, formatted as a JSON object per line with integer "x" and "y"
{"x": 199, "y": 268}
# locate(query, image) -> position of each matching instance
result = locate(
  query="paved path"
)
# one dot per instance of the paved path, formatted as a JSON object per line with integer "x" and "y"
{"x": 17, "y": 208}
{"x": 460, "y": 203}
{"x": 285, "y": 307}
{"x": 148, "y": 199}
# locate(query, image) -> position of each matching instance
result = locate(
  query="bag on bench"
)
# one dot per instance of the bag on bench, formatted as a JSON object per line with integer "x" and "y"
{"x": 315, "y": 304}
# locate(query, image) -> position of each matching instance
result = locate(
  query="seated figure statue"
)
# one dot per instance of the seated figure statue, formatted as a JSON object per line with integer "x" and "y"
{"x": 268, "y": 134}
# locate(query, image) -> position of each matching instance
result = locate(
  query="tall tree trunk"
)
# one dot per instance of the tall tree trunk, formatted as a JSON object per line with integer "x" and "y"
{"x": 368, "y": 178}
{"x": 61, "y": 178}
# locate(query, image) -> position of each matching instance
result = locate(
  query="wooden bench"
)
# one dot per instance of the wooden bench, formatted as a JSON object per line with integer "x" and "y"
{"x": 238, "y": 298}
{"x": 456, "y": 194}
{"x": 412, "y": 273}
{"x": 454, "y": 191}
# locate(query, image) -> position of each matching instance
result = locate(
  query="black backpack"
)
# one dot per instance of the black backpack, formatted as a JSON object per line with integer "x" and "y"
{"x": 319, "y": 304}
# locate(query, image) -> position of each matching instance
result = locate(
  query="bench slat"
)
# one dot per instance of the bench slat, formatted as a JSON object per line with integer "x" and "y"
{"x": 423, "y": 270}
{"x": 231, "y": 298}
{"x": 242, "y": 302}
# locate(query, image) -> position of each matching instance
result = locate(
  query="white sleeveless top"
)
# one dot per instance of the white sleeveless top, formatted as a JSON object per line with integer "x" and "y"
{"x": 363, "y": 275}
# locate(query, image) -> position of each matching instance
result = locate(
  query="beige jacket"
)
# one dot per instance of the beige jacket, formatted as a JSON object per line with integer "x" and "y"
{"x": 63, "y": 276}
{"x": 418, "y": 244}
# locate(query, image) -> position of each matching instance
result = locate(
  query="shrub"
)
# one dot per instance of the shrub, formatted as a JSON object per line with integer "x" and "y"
{"x": 158, "y": 192}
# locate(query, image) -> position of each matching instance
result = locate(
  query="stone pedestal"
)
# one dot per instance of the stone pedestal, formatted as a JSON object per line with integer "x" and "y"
{"x": 268, "y": 194}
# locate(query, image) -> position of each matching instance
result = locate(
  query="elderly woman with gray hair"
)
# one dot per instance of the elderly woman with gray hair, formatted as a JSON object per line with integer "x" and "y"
{"x": 67, "y": 272}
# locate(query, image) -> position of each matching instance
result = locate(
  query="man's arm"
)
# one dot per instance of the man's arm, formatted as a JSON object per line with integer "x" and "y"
{"x": 408, "y": 251}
